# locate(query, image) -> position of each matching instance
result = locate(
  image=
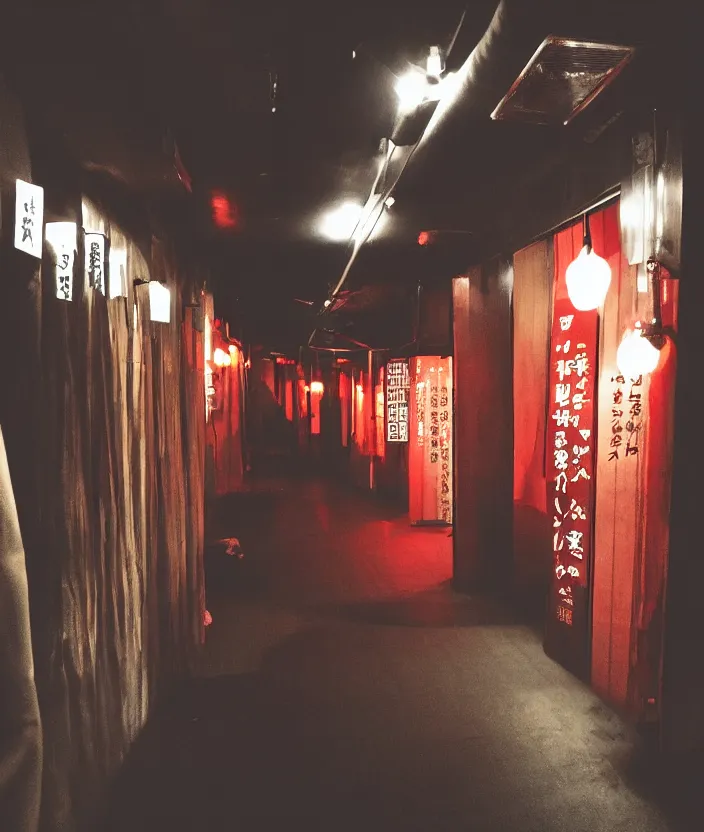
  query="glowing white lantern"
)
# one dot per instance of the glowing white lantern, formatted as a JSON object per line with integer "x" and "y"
{"x": 588, "y": 278}
{"x": 221, "y": 358}
{"x": 62, "y": 240}
{"x": 159, "y": 302}
{"x": 636, "y": 356}
{"x": 118, "y": 272}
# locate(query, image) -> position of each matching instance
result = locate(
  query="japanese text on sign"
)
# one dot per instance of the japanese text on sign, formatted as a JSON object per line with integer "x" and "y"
{"x": 571, "y": 453}
{"x": 626, "y": 416}
{"x": 29, "y": 218}
{"x": 95, "y": 259}
{"x": 397, "y": 395}
{"x": 442, "y": 443}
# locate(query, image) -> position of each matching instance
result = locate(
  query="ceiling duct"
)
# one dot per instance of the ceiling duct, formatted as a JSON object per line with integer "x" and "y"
{"x": 561, "y": 79}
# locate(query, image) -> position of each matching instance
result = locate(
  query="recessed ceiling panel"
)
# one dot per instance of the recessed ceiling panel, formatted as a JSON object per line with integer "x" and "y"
{"x": 560, "y": 80}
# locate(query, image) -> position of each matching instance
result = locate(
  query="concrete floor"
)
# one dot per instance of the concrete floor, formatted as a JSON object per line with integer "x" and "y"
{"x": 345, "y": 687}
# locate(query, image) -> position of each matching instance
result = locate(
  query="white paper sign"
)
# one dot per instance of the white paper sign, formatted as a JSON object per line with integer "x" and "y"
{"x": 29, "y": 218}
{"x": 61, "y": 237}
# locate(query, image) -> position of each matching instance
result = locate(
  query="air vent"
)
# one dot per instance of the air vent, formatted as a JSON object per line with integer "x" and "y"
{"x": 560, "y": 80}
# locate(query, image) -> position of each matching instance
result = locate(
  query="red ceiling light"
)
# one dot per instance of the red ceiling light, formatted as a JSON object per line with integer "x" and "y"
{"x": 424, "y": 238}
{"x": 225, "y": 214}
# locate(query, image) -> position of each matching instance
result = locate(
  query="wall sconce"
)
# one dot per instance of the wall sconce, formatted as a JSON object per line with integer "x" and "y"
{"x": 221, "y": 358}
{"x": 317, "y": 387}
{"x": 95, "y": 244}
{"x": 159, "y": 302}
{"x": 588, "y": 277}
{"x": 639, "y": 351}
{"x": 636, "y": 355}
{"x": 117, "y": 273}
{"x": 62, "y": 239}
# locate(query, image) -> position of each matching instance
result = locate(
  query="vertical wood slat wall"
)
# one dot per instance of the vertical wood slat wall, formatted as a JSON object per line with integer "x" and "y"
{"x": 532, "y": 523}
{"x": 483, "y": 436}
{"x": 114, "y": 536}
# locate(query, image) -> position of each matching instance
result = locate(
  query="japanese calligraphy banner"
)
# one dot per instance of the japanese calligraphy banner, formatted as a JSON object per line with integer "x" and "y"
{"x": 397, "y": 395}
{"x": 570, "y": 464}
{"x": 430, "y": 452}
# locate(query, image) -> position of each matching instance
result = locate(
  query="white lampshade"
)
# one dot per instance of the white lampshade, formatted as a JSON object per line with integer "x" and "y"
{"x": 159, "y": 302}
{"x": 588, "y": 278}
{"x": 636, "y": 356}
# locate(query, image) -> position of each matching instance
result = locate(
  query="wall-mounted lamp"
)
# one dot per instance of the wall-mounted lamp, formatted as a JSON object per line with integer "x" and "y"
{"x": 588, "y": 277}
{"x": 639, "y": 351}
{"x": 117, "y": 272}
{"x": 636, "y": 355}
{"x": 317, "y": 387}
{"x": 159, "y": 302}
{"x": 221, "y": 358}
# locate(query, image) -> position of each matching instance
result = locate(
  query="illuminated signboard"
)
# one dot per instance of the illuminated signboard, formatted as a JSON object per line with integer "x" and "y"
{"x": 430, "y": 454}
{"x": 570, "y": 479}
{"x": 397, "y": 393}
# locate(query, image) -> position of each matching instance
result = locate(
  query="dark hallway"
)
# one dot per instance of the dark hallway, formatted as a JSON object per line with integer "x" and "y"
{"x": 344, "y": 686}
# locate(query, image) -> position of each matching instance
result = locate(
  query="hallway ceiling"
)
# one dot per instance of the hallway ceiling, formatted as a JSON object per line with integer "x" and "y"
{"x": 205, "y": 70}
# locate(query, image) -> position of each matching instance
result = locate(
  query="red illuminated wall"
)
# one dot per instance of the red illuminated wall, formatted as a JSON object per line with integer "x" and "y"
{"x": 225, "y": 431}
{"x": 532, "y": 527}
{"x": 633, "y": 472}
{"x": 345, "y": 396}
{"x": 380, "y": 415}
{"x": 614, "y": 635}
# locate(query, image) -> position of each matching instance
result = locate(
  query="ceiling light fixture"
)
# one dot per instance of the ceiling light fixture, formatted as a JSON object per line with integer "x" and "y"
{"x": 434, "y": 66}
{"x": 340, "y": 223}
{"x": 588, "y": 276}
{"x": 416, "y": 87}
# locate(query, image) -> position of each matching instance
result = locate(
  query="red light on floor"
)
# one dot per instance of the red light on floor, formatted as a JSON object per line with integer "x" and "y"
{"x": 225, "y": 214}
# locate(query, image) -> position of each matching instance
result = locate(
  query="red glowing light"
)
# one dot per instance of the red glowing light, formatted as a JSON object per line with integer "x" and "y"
{"x": 225, "y": 214}
{"x": 423, "y": 238}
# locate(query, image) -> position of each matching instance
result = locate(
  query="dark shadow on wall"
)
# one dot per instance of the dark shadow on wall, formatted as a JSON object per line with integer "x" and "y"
{"x": 270, "y": 433}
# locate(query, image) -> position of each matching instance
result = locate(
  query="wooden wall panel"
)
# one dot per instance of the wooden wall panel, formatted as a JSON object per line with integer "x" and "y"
{"x": 483, "y": 442}
{"x": 114, "y": 528}
{"x": 532, "y": 535}
{"x": 619, "y": 497}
